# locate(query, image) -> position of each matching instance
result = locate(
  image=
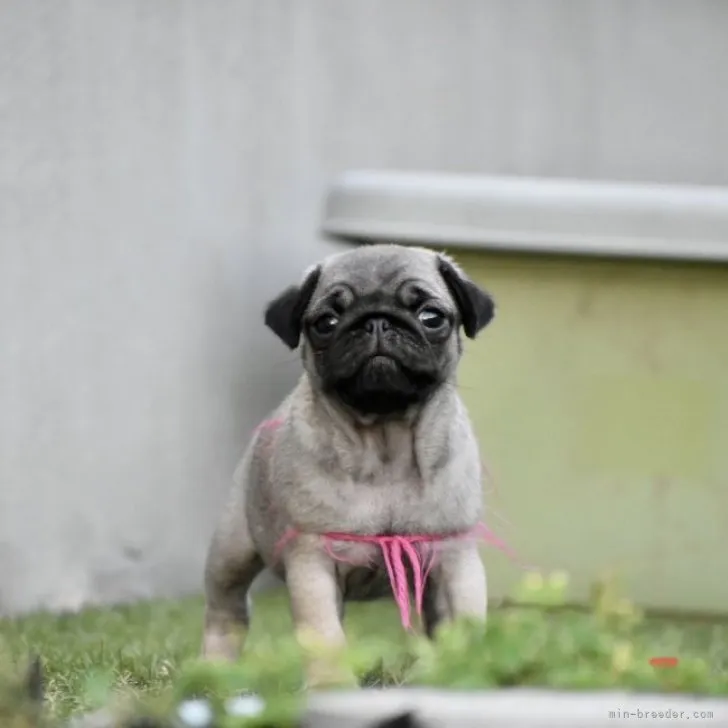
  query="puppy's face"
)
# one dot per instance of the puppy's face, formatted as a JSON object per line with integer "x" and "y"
{"x": 380, "y": 325}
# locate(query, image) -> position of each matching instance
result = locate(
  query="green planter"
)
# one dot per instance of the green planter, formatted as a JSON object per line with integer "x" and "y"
{"x": 600, "y": 397}
{"x": 600, "y": 392}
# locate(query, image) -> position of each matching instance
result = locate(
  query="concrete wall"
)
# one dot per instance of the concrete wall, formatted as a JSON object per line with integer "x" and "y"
{"x": 162, "y": 169}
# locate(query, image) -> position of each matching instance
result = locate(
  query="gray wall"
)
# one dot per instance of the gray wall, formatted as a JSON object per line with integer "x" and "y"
{"x": 162, "y": 170}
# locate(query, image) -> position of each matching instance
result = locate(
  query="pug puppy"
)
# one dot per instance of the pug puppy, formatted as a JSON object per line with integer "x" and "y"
{"x": 373, "y": 441}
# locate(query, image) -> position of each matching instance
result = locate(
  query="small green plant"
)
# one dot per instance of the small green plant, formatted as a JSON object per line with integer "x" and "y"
{"x": 273, "y": 671}
{"x": 523, "y": 646}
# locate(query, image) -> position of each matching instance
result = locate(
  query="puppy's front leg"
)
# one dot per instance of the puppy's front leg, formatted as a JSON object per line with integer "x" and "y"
{"x": 457, "y": 587}
{"x": 315, "y": 594}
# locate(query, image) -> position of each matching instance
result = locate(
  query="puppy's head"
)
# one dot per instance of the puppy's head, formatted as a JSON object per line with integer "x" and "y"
{"x": 380, "y": 325}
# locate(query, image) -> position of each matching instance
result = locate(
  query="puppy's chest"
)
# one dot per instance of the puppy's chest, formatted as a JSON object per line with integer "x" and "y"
{"x": 380, "y": 460}
{"x": 388, "y": 487}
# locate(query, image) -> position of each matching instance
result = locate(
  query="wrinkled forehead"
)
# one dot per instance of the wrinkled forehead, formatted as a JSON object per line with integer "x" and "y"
{"x": 382, "y": 270}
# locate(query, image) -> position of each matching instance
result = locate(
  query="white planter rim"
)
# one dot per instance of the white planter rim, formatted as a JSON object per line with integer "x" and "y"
{"x": 519, "y": 214}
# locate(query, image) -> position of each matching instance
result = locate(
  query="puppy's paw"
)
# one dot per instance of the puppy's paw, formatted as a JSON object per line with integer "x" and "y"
{"x": 322, "y": 674}
{"x": 326, "y": 666}
{"x": 222, "y": 646}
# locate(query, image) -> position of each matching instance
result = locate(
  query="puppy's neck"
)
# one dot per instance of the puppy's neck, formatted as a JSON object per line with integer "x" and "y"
{"x": 389, "y": 450}
{"x": 369, "y": 421}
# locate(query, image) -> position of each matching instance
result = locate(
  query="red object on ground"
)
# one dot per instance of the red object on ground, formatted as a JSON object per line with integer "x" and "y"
{"x": 663, "y": 661}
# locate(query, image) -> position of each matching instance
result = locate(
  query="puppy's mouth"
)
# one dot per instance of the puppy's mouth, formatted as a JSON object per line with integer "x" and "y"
{"x": 382, "y": 386}
{"x": 381, "y": 365}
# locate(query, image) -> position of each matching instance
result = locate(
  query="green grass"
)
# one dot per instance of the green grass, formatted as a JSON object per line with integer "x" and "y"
{"x": 143, "y": 648}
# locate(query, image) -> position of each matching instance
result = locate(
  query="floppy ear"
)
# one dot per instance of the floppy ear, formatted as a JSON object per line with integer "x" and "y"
{"x": 284, "y": 314}
{"x": 476, "y": 307}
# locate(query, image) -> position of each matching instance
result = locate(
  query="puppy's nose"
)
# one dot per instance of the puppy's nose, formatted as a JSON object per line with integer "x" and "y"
{"x": 377, "y": 325}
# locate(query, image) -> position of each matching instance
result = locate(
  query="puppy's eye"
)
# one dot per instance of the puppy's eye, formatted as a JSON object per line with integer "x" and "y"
{"x": 431, "y": 318}
{"x": 325, "y": 324}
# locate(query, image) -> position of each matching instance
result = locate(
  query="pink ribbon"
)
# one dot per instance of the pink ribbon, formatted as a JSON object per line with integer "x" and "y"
{"x": 397, "y": 553}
